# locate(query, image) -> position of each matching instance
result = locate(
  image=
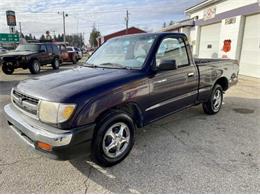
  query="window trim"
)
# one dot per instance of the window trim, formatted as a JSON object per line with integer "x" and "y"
{"x": 44, "y": 47}
{"x": 50, "y": 47}
{"x": 185, "y": 45}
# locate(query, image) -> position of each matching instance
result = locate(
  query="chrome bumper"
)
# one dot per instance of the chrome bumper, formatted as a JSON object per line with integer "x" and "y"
{"x": 31, "y": 130}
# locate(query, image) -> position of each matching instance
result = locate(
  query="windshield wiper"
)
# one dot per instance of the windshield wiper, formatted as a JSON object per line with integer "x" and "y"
{"x": 113, "y": 65}
{"x": 90, "y": 65}
{"x": 24, "y": 50}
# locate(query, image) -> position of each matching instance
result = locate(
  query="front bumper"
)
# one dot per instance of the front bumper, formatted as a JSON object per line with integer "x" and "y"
{"x": 63, "y": 142}
{"x": 16, "y": 63}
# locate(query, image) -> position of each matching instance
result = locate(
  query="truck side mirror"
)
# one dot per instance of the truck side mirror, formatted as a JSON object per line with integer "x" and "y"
{"x": 167, "y": 65}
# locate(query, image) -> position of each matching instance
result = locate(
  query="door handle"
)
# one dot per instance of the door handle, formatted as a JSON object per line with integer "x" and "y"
{"x": 191, "y": 74}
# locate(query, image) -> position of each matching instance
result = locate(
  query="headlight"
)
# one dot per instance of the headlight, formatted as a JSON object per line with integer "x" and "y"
{"x": 52, "y": 112}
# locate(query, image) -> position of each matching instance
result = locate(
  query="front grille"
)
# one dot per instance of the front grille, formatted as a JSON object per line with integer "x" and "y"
{"x": 25, "y": 102}
{"x": 10, "y": 59}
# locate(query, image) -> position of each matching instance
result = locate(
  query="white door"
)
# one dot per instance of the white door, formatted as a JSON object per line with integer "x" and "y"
{"x": 209, "y": 41}
{"x": 250, "y": 54}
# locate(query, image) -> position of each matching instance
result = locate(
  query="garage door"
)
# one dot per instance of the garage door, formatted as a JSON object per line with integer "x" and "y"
{"x": 209, "y": 41}
{"x": 250, "y": 54}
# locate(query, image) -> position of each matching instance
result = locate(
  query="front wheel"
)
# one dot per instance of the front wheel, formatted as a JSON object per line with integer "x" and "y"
{"x": 56, "y": 64}
{"x": 35, "y": 67}
{"x": 7, "y": 69}
{"x": 114, "y": 138}
{"x": 214, "y": 104}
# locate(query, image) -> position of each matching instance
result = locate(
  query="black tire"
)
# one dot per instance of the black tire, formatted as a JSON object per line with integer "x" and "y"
{"x": 35, "y": 67}
{"x": 56, "y": 64}
{"x": 74, "y": 59}
{"x": 111, "y": 123}
{"x": 214, "y": 104}
{"x": 7, "y": 69}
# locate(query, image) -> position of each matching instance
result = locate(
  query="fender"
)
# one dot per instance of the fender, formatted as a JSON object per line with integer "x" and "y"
{"x": 129, "y": 94}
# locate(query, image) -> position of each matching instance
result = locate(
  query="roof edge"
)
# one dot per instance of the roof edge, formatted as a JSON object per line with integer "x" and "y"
{"x": 123, "y": 31}
{"x": 200, "y": 6}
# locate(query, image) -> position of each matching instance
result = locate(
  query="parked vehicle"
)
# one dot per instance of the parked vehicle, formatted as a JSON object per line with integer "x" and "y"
{"x": 68, "y": 54}
{"x": 79, "y": 52}
{"x": 127, "y": 83}
{"x": 31, "y": 56}
{"x": 3, "y": 50}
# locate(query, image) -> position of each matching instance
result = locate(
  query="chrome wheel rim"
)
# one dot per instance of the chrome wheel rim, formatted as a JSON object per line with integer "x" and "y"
{"x": 36, "y": 66}
{"x": 116, "y": 140}
{"x": 217, "y": 100}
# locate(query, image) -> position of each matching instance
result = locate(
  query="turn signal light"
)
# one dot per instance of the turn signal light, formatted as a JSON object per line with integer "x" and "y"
{"x": 44, "y": 146}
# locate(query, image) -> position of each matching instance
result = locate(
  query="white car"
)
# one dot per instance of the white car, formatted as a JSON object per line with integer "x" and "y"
{"x": 2, "y": 50}
{"x": 75, "y": 50}
{"x": 79, "y": 52}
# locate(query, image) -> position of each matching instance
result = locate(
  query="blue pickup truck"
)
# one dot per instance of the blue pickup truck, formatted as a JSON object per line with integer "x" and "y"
{"x": 127, "y": 83}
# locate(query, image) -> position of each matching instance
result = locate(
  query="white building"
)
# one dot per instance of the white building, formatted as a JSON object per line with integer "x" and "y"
{"x": 227, "y": 29}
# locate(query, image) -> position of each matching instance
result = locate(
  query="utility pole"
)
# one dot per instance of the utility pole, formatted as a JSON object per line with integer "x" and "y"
{"x": 20, "y": 28}
{"x": 126, "y": 21}
{"x": 83, "y": 44}
{"x": 64, "y": 15}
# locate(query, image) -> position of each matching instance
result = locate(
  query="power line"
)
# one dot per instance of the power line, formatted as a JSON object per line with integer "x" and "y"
{"x": 133, "y": 9}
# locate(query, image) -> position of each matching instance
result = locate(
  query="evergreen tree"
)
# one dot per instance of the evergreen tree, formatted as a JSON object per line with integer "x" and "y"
{"x": 93, "y": 37}
{"x": 164, "y": 24}
{"x": 42, "y": 37}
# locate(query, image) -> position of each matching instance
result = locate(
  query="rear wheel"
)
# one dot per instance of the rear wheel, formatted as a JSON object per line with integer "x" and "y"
{"x": 35, "y": 67}
{"x": 114, "y": 138}
{"x": 74, "y": 59}
{"x": 56, "y": 64}
{"x": 214, "y": 104}
{"x": 7, "y": 69}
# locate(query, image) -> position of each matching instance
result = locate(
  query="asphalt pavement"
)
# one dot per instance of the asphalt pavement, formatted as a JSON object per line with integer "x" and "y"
{"x": 188, "y": 152}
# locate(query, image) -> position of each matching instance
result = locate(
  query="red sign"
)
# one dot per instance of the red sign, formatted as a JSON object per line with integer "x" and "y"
{"x": 227, "y": 45}
{"x": 209, "y": 13}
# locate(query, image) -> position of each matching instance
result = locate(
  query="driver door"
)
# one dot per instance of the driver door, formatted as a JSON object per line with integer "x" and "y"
{"x": 44, "y": 54}
{"x": 172, "y": 90}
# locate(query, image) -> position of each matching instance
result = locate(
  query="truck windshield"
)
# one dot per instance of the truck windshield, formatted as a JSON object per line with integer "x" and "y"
{"x": 124, "y": 52}
{"x": 28, "y": 47}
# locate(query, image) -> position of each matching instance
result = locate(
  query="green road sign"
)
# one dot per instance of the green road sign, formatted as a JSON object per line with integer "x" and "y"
{"x": 9, "y": 38}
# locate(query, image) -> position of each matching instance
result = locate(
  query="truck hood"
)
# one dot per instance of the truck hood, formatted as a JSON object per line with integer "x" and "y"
{"x": 18, "y": 53}
{"x": 70, "y": 85}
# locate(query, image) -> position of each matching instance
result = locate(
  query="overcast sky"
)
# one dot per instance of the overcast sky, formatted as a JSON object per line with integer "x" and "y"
{"x": 37, "y": 16}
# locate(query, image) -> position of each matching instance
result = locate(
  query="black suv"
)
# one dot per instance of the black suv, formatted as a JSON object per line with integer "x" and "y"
{"x": 31, "y": 56}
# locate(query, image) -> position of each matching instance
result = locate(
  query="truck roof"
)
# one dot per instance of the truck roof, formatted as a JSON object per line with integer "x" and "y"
{"x": 155, "y": 33}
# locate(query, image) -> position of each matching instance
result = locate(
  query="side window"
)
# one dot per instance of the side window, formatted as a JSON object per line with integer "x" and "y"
{"x": 55, "y": 49}
{"x": 172, "y": 49}
{"x": 49, "y": 48}
{"x": 43, "y": 48}
{"x": 62, "y": 48}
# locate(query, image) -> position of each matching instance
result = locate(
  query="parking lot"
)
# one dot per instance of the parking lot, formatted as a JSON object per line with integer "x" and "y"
{"x": 188, "y": 152}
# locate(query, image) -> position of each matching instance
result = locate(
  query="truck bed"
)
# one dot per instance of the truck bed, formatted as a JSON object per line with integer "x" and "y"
{"x": 206, "y": 61}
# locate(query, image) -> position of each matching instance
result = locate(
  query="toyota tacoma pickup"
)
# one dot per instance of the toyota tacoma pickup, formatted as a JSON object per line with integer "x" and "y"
{"x": 127, "y": 83}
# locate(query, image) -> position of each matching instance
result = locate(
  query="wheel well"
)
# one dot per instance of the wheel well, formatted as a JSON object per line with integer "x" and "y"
{"x": 34, "y": 59}
{"x": 130, "y": 108}
{"x": 56, "y": 57}
{"x": 223, "y": 82}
